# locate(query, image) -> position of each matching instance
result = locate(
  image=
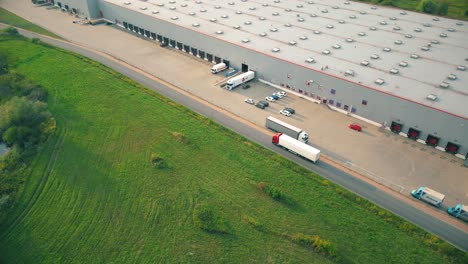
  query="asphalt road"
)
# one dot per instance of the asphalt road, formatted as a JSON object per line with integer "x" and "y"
{"x": 426, "y": 221}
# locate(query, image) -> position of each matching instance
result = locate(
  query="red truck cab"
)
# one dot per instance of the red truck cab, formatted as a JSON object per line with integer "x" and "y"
{"x": 275, "y": 138}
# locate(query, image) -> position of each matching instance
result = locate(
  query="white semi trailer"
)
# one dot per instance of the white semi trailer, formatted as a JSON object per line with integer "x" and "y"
{"x": 240, "y": 79}
{"x": 282, "y": 127}
{"x": 297, "y": 147}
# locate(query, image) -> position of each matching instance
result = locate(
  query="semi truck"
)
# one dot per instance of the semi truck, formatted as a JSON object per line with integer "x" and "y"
{"x": 240, "y": 79}
{"x": 460, "y": 211}
{"x": 218, "y": 68}
{"x": 282, "y": 127}
{"x": 295, "y": 146}
{"x": 429, "y": 196}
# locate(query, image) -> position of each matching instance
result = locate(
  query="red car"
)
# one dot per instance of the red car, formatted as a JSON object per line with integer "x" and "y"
{"x": 355, "y": 127}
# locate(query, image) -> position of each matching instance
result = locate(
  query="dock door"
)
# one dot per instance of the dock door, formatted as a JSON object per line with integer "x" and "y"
{"x": 413, "y": 134}
{"x": 245, "y": 67}
{"x": 396, "y": 127}
{"x": 452, "y": 148}
{"x": 432, "y": 140}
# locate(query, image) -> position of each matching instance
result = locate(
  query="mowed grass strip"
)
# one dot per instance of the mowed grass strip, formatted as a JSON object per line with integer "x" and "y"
{"x": 456, "y": 8}
{"x": 100, "y": 199}
{"x": 9, "y": 18}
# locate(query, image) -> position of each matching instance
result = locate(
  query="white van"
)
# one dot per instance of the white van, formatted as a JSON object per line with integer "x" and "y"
{"x": 218, "y": 68}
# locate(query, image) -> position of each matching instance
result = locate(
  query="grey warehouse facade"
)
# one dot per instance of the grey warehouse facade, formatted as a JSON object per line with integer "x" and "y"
{"x": 406, "y": 71}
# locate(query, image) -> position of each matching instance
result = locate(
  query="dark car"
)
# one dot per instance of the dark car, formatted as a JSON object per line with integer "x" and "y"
{"x": 290, "y": 110}
{"x": 163, "y": 44}
{"x": 260, "y": 105}
{"x": 265, "y": 103}
{"x": 275, "y": 96}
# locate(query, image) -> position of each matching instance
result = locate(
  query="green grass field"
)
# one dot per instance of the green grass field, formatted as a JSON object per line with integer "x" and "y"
{"x": 456, "y": 8}
{"x": 9, "y": 18}
{"x": 93, "y": 195}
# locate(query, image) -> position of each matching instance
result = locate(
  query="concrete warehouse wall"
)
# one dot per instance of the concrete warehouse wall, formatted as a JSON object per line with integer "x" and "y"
{"x": 381, "y": 108}
{"x": 86, "y": 8}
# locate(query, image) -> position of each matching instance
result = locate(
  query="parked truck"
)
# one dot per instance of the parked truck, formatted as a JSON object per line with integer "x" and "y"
{"x": 240, "y": 79}
{"x": 459, "y": 211}
{"x": 218, "y": 68}
{"x": 282, "y": 127}
{"x": 429, "y": 196}
{"x": 297, "y": 147}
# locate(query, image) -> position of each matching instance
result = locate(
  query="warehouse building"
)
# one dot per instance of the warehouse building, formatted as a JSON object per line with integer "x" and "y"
{"x": 403, "y": 70}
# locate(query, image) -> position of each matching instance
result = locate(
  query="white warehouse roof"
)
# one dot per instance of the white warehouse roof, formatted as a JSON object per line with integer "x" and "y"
{"x": 418, "y": 57}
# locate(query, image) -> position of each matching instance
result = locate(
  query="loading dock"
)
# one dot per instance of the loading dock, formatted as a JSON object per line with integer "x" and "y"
{"x": 209, "y": 57}
{"x": 201, "y": 54}
{"x": 194, "y": 51}
{"x": 217, "y": 60}
{"x": 226, "y": 62}
{"x": 396, "y": 127}
{"x": 432, "y": 140}
{"x": 179, "y": 45}
{"x": 413, "y": 134}
{"x": 452, "y": 148}
{"x": 153, "y": 35}
{"x": 187, "y": 48}
{"x": 245, "y": 67}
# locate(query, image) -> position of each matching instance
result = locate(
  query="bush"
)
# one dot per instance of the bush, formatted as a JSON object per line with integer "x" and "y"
{"x": 443, "y": 8}
{"x": 428, "y": 6}
{"x": 35, "y": 40}
{"x": 206, "y": 218}
{"x": 273, "y": 192}
{"x": 157, "y": 161}
{"x": 11, "y": 31}
{"x": 318, "y": 244}
{"x": 21, "y": 123}
{"x": 3, "y": 64}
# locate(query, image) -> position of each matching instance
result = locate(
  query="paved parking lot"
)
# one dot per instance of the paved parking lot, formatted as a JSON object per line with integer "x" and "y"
{"x": 378, "y": 153}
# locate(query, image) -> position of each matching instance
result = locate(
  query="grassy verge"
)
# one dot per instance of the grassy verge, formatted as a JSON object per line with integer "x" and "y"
{"x": 122, "y": 179}
{"x": 7, "y": 17}
{"x": 456, "y": 8}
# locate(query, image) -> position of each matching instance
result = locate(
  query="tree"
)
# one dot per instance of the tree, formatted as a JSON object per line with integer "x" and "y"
{"x": 3, "y": 64}
{"x": 443, "y": 8}
{"x": 428, "y": 6}
{"x": 21, "y": 119}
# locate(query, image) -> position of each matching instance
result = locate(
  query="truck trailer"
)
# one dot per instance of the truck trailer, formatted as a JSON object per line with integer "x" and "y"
{"x": 282, "y": 127}
{"x": 429, "y": 196}
{"x": 240, "y": 79}
{"x": 297, "y": 147}
{"x": 460, "y": 211}
{"x": 218, "y": 68}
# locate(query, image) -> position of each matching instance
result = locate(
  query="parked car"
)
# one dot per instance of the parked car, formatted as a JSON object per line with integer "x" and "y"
{"x": 163, "y": 44}
{"x": 249, "y": 101}
{"x": 290, "y": 110}
{"x": 265, "y": 103}
{"x": 355, "y": 127}
{"x": 270, "y": 99}
{"x": 275, "y": 96}
{"x": 279, "y": 95}
{"x": 284, "y": 112}
{"x": 283, "y": 93}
